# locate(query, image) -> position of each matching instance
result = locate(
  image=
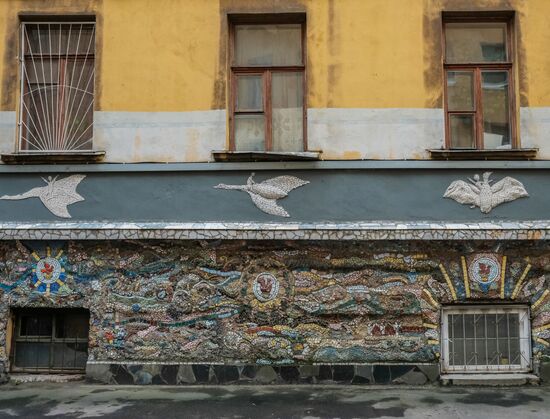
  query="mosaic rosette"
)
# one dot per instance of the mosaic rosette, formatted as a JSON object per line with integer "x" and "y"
{"x": 48, "y": 274}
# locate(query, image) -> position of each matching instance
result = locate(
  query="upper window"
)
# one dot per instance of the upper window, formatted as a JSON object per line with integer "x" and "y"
{"x": 267, "y": 86}
{"x": 478, "y": 80}
{"x": 57, "y": 87}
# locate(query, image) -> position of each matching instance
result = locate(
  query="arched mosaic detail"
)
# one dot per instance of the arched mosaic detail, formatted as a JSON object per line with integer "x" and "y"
{"x": 494, "y": 276}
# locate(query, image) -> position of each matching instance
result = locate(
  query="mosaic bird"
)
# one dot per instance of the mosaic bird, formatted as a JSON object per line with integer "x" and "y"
{"x": 265, "y": 194}
{"x": 56, "y": 195}
{"x": 480, "y": 193}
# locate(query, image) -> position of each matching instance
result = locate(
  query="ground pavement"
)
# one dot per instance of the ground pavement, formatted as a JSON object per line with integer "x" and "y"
{"x": 79, "y": 400}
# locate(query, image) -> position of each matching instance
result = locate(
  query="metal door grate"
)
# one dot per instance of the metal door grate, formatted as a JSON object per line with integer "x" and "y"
{"x": 486, "y": 339}
{"x": 50, "y": 340}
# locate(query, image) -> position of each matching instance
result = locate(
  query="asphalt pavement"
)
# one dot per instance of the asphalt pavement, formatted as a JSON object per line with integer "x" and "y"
{"x": 80, "y": 400}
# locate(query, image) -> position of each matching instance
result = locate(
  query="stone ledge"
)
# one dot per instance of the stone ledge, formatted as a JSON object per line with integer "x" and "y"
{"x": 498, "y": 154}
{"x": 375, "y": 230}
{"x": 50, "y": 157}
{"x": 45, "y": 378}
{"x": 490, "y": 379}
{"x": 264, "y": 156}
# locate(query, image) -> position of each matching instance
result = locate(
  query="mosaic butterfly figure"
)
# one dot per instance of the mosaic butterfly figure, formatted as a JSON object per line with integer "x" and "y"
{"x": 480, "y": 193}
{"x": 265, "y": 194}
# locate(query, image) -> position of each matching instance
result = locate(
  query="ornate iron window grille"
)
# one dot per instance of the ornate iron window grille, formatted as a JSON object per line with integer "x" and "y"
{"x": 57, "y": 87}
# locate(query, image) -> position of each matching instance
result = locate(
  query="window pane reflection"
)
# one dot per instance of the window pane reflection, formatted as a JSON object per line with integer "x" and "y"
{"x": 496, "y": 118}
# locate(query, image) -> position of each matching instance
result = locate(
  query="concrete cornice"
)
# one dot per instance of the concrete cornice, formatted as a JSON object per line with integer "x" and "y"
{"x": 259, "y": 166}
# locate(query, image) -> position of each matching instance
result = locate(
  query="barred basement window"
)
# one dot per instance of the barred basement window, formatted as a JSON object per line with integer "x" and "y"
{"x": 486, "y": 339}
{"x": 57, "y": 87}
{"x": 50, "y": 340}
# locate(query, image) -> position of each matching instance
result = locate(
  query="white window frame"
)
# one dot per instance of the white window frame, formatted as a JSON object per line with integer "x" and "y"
{"x": 524, "y": 335}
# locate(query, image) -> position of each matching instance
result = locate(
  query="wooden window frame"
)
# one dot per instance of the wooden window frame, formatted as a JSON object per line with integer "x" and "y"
{"x": 506, "y": 17}
{"x": 265, "y": 72}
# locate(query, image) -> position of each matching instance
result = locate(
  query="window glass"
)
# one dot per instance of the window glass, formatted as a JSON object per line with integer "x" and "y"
{"x": 73, "y": 325}
{"x": 250, "y": 93}
{"x": 462, "y": 129}
{"x": 56, "y": 38}
{"x": 36, "y": 325}
{"x": 250, "y": 132}
{"x": 268, "y": 45}
{"x": 496, "y": 116}
{"x": 460, "y": 90}
{"x": 475, "y": 42}
{"x": 288, "y": 112}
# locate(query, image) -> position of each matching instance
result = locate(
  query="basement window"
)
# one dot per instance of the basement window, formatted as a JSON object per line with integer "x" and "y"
{"x": 50, "y": 340}
{"x": 482, "y": 339}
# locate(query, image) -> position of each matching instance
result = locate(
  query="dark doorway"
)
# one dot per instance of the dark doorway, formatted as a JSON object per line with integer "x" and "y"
{"x": 50, "y": 340}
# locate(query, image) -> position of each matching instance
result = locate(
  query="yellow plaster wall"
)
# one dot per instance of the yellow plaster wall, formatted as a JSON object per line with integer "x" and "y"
{"x": 170, "y": 55}
{"x": 535, "y": 37}
{"x": 159, "y": 55}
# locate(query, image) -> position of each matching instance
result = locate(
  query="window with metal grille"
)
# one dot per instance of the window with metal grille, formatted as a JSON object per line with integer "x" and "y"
{"x": 47, "y": 340}
{"x": 57, "y": 87}
{"x": 486, "y": 339}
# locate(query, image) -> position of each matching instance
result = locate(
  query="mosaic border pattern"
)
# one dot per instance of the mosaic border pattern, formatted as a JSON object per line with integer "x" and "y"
{"x": 381, "y": 230}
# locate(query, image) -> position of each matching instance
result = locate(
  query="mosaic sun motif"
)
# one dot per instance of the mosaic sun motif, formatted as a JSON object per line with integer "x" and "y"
{"x": 48, "y": 274}
{"x": 265, "y": 287}
{"x": 484, "y": 270}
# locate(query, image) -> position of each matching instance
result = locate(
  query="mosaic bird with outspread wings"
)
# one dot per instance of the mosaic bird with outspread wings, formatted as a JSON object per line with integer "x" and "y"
{"x": 480, "y": 193}
{"x": 56, "y": 195}
{"x": 265, "y": 194}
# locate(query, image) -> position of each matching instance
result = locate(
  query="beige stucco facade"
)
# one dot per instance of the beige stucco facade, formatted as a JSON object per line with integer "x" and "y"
{"x": 374, "y": 74}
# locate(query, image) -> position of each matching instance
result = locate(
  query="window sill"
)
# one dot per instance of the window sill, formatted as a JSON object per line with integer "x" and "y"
{"x": 247, "y": 156}
{"x": 53, "y": 157}
{"x": 507, "y": 154}
{"x": 490, "y": 379}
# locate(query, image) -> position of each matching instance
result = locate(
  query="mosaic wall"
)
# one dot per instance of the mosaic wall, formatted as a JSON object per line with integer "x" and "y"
{"x": 272, "y": 303}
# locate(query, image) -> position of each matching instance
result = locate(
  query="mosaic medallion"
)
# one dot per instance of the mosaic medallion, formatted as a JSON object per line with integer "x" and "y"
{"x": 48, "y": 274}
{"x": 484, "y": 270}
{"x": 265, "y": 287}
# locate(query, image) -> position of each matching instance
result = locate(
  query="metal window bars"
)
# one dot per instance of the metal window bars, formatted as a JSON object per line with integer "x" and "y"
{"x": 486, "y": 339}
{"x": 57, "y": 87}
{"x": 50, "y": 341}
